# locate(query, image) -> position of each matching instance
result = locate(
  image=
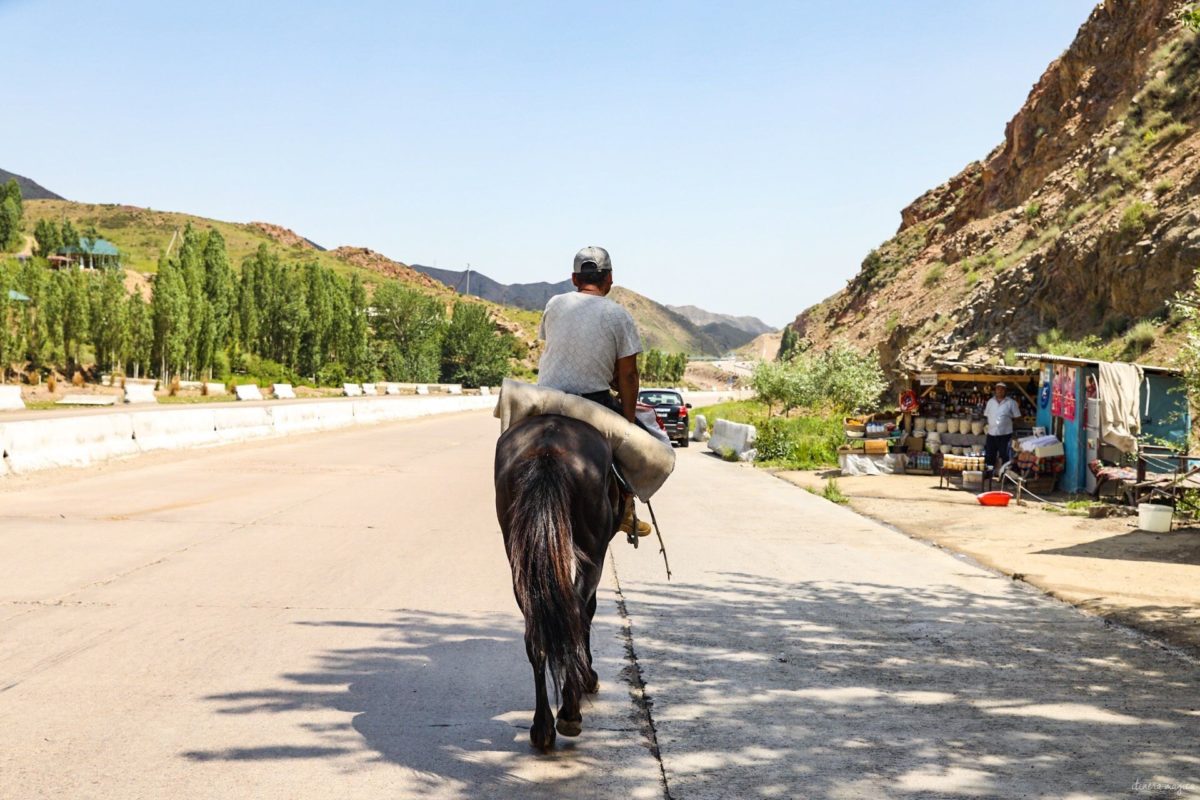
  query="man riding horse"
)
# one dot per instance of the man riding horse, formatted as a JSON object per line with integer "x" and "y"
{"x": 592, "y": 344}
{"x": 558, "y": 495}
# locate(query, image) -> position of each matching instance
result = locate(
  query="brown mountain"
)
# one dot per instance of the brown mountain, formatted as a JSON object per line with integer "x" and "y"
{"x": 1084, "y": 219}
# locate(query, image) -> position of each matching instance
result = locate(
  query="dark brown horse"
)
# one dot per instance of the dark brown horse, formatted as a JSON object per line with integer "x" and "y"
{"x": 558, "y": 506}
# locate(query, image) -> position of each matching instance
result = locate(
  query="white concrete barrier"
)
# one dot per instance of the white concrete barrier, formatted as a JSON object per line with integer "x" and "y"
{"x": 247, "y": 391}
{"x": 378, "y": 410}
{"x": 35, "y": 444}
{"x": 139, "y": 393}
{"x": 352, "y": 390}
{"x": 485, "y": 391}
{"x": 700, "y": 431}
{"x": 309, "y": 417}
{"x": 390, "y": 388}
{"x": 369, "y": 389}
{"x": 733, "y": 436}
{"x": 87, "y": 400}
{"x": 10, "y": 398}
{"x": 29, "y": 445}
{"x": 243, "y": 424}
{"x": 452, "y": 388}
{"x": 215, "y": 389}
{"x": 422, "y": 388}
{"x": 175, "y": 429}
{"x": 283, "y": 391}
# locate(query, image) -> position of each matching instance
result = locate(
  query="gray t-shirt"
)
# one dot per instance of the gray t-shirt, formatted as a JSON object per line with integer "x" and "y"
{"x": 585, "y": 335}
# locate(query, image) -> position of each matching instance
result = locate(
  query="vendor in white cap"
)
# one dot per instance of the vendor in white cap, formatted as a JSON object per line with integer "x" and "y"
{"x": 1001, "y": 410}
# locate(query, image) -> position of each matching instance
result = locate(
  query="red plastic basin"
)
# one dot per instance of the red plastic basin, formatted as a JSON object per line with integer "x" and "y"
{"x": 994, "y": 498}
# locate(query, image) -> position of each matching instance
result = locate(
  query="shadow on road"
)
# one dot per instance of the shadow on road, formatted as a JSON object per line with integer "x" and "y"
{"x": 768, "y": 688}
{"x": 449, "y": 697}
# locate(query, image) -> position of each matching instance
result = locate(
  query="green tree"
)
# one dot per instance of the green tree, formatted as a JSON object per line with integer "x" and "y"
{"x": 169, "y": 310}
{"x": 11, "y": 211}
{"x": 408, "y": 329}
{"x": 70, "y": 237}
{"x": 316, "y": 341}
{"x": 474, "y": 353}
{"x": 140, "y": 348}
{"x": 8, "y": 323}
{"x": 109, "y": 320}
{"x": 215, "y": 328}
{"x": 48, "y": 237}
{"x": 788, "y": 344}
{"x": 10, "y": 224}
{"x": 74, "y": 314}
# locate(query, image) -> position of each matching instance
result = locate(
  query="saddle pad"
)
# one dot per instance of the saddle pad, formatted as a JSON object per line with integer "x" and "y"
{"x": 645, "y": 462}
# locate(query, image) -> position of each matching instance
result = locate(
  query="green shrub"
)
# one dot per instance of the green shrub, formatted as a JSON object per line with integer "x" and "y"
{"x": 1140, "y": 338}
{"x": 833, "y": 493}
{"x": 1136, "y": 217}
{"x": 934, "y": 275}
{"x": 1110, "y": 193}
{"x": 1163, "y": 187}
{"x": 1176, "y": 130}
{"x": 808, "y": 442}
{"x": 1033, "y": 211}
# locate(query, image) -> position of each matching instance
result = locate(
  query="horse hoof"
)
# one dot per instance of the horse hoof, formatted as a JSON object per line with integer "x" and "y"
{"x": 542, "y": 741}
{"x": 569, "y": 727}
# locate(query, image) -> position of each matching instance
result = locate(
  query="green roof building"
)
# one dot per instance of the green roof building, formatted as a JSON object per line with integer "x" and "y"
{"x": 88, "y": 254}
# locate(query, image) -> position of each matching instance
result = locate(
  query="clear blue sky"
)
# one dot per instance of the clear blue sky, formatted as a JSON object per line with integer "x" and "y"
{"x": 740, "y": 156}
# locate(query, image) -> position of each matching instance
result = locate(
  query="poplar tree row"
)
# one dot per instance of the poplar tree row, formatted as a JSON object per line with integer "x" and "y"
{"x": 273, "y": 321}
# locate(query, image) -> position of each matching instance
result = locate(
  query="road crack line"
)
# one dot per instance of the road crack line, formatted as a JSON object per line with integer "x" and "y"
{"x": 637, "y": 684}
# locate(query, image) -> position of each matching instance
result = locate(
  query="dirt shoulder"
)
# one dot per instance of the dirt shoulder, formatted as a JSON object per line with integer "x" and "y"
{"x": 1107, "y": 567}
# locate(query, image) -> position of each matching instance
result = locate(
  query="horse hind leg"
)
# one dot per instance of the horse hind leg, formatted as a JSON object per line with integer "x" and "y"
{"x": 593, "y": 686}
{"x": 570, "y": 719}
{"x": 541, "y": 733}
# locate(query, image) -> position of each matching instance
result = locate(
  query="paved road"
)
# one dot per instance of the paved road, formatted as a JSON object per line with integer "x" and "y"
{"x": 330, "y": 616}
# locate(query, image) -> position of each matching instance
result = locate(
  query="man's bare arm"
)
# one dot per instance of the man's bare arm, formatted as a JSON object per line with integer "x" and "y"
{"x": 628, "y": 384}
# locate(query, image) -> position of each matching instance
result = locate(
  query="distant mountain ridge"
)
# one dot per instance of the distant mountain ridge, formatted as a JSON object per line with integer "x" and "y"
{"x": 661, "y": 327}
{"x": 30, "y": 189}
{"x": 699, "y": 316}
{"x": 530, "y": 296}
{"x": 727, "y": 330}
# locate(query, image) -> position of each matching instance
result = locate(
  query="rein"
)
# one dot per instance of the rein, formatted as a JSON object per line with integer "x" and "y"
{"x": 632, "y": 536}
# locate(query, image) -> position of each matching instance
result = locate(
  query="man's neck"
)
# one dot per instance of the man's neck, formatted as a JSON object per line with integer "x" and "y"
{"x": 595, "y": 291}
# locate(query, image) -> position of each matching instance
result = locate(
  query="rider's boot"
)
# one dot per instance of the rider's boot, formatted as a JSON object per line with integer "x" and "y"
{"x": 643, "y": 527}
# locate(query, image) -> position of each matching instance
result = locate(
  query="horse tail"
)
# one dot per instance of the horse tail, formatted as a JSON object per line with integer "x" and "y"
{"x": 544, "y": 562}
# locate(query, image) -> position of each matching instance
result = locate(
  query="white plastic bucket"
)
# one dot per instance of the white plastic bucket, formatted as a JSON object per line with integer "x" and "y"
{"x": 1155, "y": 518}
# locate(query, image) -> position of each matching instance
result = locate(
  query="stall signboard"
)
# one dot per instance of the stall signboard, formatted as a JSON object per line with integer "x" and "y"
{"x": 928, "y": 378}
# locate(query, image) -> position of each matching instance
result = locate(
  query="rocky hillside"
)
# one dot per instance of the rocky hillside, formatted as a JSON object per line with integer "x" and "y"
{"x": 30, "y": 189}
{"x": 1077, "y": 227}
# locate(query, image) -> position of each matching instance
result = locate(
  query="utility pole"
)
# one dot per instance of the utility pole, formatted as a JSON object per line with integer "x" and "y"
{"x": 468, "y": 279}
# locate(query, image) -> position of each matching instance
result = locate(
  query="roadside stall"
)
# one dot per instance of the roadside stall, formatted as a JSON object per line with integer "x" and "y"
{"x": 1108, "y": 418}
{"x": 944, "y": 418}
{"x": 874, "y": 445}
